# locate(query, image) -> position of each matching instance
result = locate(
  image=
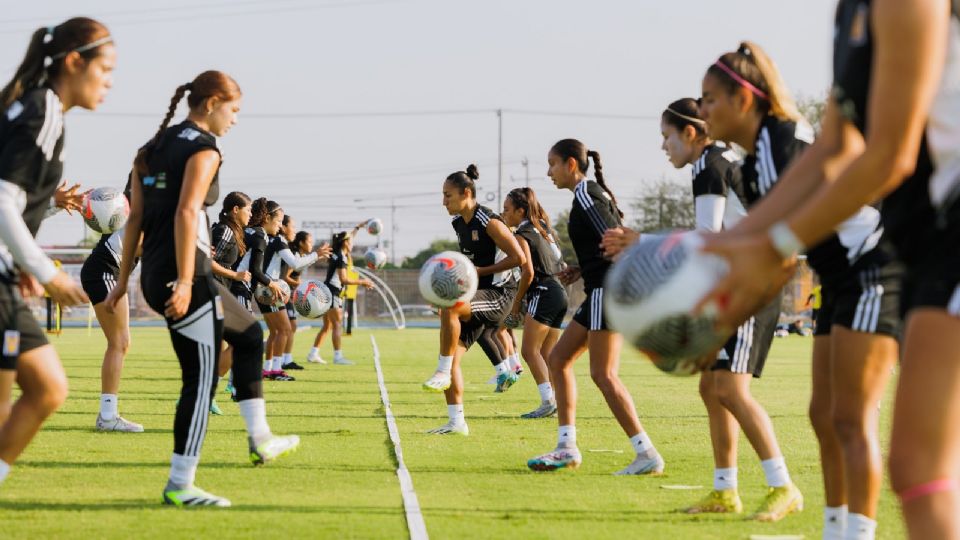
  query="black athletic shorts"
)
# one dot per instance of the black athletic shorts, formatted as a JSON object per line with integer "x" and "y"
{"x": 98, "y": 279}
{"x": 20, "y": 330}
{"x": 547, "y": 303}
{"x": 489, "y": 306}
{"x": 267, "y": 308}
{"x": 590, "y": 314}
{"x": 746, "y": 351}
{"x": 291, "y": 312}
{"x": 866, "y": 300}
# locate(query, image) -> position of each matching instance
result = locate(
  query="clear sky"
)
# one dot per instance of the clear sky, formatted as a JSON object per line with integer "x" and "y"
{"x": 312, "y": 71}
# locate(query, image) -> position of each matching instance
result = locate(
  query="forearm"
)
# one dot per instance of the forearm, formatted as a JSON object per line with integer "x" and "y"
{"x": 185, "y": 225}
{"x": 131, "y": 245}
{"x": 223, "y": 271}
{"x": 298, "y": 262}
{"x": 256, "y": 268}
{"x": 17, "y": 237}
{"x": 505, "y": 264}
{"x": 526, "y": 279}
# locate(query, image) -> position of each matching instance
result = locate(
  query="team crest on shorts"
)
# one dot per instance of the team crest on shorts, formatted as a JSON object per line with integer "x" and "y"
{"x": 11, "y": 343}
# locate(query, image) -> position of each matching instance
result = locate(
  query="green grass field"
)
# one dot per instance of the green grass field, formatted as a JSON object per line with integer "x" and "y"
{"x": 73, "y": 482}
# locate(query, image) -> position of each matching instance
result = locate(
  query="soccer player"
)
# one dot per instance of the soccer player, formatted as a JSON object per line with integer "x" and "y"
{"x": 68, "y": 65}
{"x": 594, "y": 211}
{"x": 300, "y": 242}
{"x": 175, "y": 179}
{"x": 480, "y": 232}
{"x": 336, "y": 280}
{"x": 545, "y": 297}
{"x": 891, "y": 131}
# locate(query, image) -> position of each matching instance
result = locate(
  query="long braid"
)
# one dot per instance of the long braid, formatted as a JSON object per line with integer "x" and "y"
{"x": 141, "y": 164}
{"x": 598, "y": 171}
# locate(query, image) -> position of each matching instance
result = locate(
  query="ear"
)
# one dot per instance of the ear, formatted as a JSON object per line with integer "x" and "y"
{"x": 743, "y": 99}
{"x": 210, "y": 104}
{"x": 571, "y": 165}
{"x": 689, "y": 133}
{"x": 73, "y": 63}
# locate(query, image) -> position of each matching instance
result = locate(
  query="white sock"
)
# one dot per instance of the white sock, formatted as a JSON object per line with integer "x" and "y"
{"x": 567, "y": 436}
{"x": 445, "y": 364}
{"x": 268, "y": 364}
{"x": 834, "y": 522}
{"x": 455, "y": 413}
{"x": 183, "y": 470}
{"x": 546, "y": 391}
{"x": 725, "y": 478}
{"x": 502, "y": 367}
{"x": 775, "y": 470}
{"x": 337, "y": 355}
{"x": 278, "y": 363}
{"x": 254, "y": 413}
{"x": 641, "y": 443}
{"x": 287, "y": 358}
{"x": 108, "y": 406}
{"x": 4, "y": 470}
{"x": 513, "y": 362}
{"x": 859, "y": 527}
{"x": 314, "y": 351}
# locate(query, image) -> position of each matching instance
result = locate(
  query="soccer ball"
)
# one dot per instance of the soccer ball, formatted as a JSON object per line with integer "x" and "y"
{"x": 650, "y": 294}
{"x": 375, "y": 258}
{"x": 312, "y": 299}
{"x": 105, "y": 210}
{"x": 448, "y": 279}
{"x": 265, "y": 296}
{"x": 374, "y": 226}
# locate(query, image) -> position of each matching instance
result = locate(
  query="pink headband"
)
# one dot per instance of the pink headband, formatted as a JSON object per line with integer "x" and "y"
{"x": 743, "y": 82}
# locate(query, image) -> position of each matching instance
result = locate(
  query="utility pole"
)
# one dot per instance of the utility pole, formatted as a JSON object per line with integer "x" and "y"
{"x": 393, "y": 230}
{"x": 526, "y": 168}
{"x": 499, "y": 158}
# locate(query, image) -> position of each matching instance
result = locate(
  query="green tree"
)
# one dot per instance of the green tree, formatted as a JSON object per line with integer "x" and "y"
{"x": 662, "y": 205}
{"x": 812, "y": 109}
{"x": 435, "y": 247}
{"x": 562, "y": 226}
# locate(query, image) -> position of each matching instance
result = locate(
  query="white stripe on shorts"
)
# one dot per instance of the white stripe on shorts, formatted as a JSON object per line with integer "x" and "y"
{"x": 867, "y": 315}
{"x": 596, "y": 309}
{"x": 744, "y": 347}
{"x": 532, "y": 305}
{"x": 953, "y": 306}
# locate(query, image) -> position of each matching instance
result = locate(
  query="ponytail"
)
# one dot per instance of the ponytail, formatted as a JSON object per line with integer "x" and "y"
{"x": 525, "y": 199}
{"x": 598, "y": 171}
{"x": 231, "y": 201}
{"x": 142, "y": 162}
{"x": 751, "y": 68}
{"x": 262, "y": 210}
{"x": 45, "y": 53}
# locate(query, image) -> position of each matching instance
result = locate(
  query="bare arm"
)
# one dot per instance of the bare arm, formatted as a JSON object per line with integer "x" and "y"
{"x": 526, "y": 275}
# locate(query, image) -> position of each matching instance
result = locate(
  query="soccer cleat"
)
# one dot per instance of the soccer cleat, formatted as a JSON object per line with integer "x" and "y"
{"x": 268, "y": 375}
{"x": 282, "y": 376}
{"x": 214, "y": 408}
{"x": 292, "y": 365}
{"x": 644, "y": 464}
{"x": 228, "y": 388}
{"x": 505, "y": 381}
{"x": 341, "y": 361}
{"x": 118, "y": 423}
{"x": 315, "y": 359}
{"x": 273, "y": 448}
{"x": 718, "y": 501}
{"x": 545, "y": 410}
{"x": 779, "y": 502}
{"x": 451, "y": 428}
{"x": 438, "y": 382}
{"x": 519, "y": 371}
{"x": 560, "y": 458}
{"x": 193, "y": 497}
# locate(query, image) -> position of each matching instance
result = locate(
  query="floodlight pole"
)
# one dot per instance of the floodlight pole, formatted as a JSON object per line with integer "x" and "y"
{"x": 499, "y": 160}
{"x": 393, "y": 230}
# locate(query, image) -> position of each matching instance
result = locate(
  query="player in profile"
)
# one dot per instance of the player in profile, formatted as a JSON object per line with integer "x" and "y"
{"x": 890, "y": 131}
{"x": 545, "y": 297}
{"x": 336, "y": 280}
{"x": 480, "y": 233}
{"x": 594, "y": 211}
{"x": 175, "y": 179}
{"x": 68, "y": 65}
{"x": 301, "y": 243}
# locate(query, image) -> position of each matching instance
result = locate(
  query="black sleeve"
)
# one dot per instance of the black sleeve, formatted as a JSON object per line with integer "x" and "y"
{"x": 599, "y": 209}
{"x": 20, "y": 157}
{"x": 221, "y": 237}
{"x": 256, "y": 261}
{"x": 790, "y": 140}
{"x": 710, "y": 181}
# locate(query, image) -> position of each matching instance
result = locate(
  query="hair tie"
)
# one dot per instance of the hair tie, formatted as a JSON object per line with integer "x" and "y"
{"x": 687, "y": 118}
{"x": 188, "y": 87}
{"x": 48, "y": 37}
{"x": 47, "y": 62}
{"x": 743, "y": 82}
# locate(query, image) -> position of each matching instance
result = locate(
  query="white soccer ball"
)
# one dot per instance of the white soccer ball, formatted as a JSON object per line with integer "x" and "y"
{"x": 650, "y": 293}
{"x": 374, "y": 226}
{"x": 105, "y": 210}
{"x": 265, "y": 296}
{"x": 375, "y": 258}
{"x": 312, "y": 299}
{"x": 448, "y": 279}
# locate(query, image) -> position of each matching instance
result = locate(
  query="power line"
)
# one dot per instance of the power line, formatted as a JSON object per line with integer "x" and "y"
{"x": 399, "y": 114}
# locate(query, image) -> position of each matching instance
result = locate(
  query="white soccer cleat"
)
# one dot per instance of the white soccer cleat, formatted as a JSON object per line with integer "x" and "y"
{"x": 342, "y": 362}
{"x": 439, "y": 382}
{"x": 644, "y": 464}
{"x": 315, "y": 359}
{"x": 273, "y": 448}
{"x": 451, "y": 428}
{"x": 118, "y": 423}
{"x": 546, "y": 409}
{"x": 560, "y": 458}
{"x": 193, "y": 497}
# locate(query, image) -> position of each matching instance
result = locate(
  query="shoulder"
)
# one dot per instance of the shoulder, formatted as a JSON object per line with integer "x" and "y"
{"x": 782, "y": 132}
{"x": 588, "y": 193}
{"x": 188, "y": 136}
{"x": 486, "y": 215}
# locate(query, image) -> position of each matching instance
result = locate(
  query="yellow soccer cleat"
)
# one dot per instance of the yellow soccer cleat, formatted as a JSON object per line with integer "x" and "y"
{"x": 718, "y": 501}
{"x": 779, "y": 502}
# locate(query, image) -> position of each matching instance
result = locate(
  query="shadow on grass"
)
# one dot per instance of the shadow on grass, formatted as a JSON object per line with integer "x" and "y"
{"x": 152, "y": 504}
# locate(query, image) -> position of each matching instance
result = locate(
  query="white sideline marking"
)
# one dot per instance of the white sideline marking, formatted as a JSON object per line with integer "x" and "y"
{"x": 415, "y": 523}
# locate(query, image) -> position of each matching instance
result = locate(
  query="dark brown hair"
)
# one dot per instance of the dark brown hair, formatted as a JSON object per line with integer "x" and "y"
{"x": 572, "y": 148}
{"x": 685, "y": 112}
{"x": 262, "y": 210}
{"x": 464, "y": 180}
{"x": 524, "y": 198}
{"x": 50, "y": 45}
{"x": 298, "y": 240}
{"x": 234, "y": 199}
{"x": 752, "y": 63}
{"x": 207, "y": 85}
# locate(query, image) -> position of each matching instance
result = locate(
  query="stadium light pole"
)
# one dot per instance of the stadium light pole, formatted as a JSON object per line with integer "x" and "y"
{"x": 499, "y": 159}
